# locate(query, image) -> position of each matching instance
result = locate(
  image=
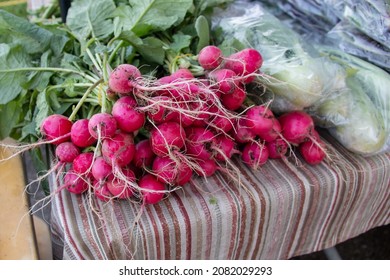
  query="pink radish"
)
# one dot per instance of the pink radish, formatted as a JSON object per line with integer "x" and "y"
{"x": 219, "y": 120}
{"x": 56, "y": 127}
{"x": 67, "y": 152}
{"x": 82, "y": 164}
{"x": 165, "y": 169}
{"x": 241, "y": 133}
{"x": 166, "y": 137}
{"x": 143, "y": 155}
{"x": 313, "y": 150}
{"x": 101, "y": 169}
{"x": 273, "y": 133}
{"x": 74, "y": 183}
{"x": 121, "y": 188}
{"x": 200, "y": 142}
{"x": 120, "y": 79}
{"x": 79, "y": 134}
{"x": 277, "y": 148}
{"x": 159, "y": 113}
{"x": 151, "y": 189}
{"x": 182, "y": 74}
{"x": 184, "y": 174}
{"x": 206, "y": 168}
{"x": 210, "y": 57}
{"x": 259, "y": 119}
{"x": 103, "y": 125}
{"x": 224, "y": 80}
{"x": 255, "y": 154}
{"x": 244, "y": 62}
{"x": 224, "y": 148}
{"x": 297, "y": 126}
{"x": 126, "y": 114}
{"x": 119, "y": 150}
{"x": 101, "y": 192}
{"x": 234, "y": 100}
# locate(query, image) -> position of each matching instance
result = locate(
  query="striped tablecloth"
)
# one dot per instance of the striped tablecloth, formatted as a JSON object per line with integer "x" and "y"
{"x": 283, "y": 210}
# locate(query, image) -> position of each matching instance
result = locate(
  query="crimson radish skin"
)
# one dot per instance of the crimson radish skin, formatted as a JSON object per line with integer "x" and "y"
{"x": 234, "y": 100}
{"x": 200, "y": 142}
{"x": 165, "y": 169}
{"x": 277, "y": 148}
{"x": 101, "y": 191}
{"x": 167, "y": 137}
{"x": 260, "y": 119}
{"x": 210, "y": 57}
{"x": 143, "y": 155}
{"x": 182, "y": 74}
{"x": 74, "y": 183}
{"x": 101, "y": 169}
{"x": 120, "y": 79}
{"x": 224, "y": 148}
{"x": 126, "y": 114}
{"x": 119, "y": 150}
{"x": 297, "y": 126}
{"x": 312, "y": 152}
{"x": 103, "y": 125}
{"x": 121, "y": 188}
{"x": 255, "y": 154}
{"x": 206, "y": 167}
{"x": 79, "y": 134}
{"x": 152, "y": 190}
{"x": 159, "y": 113}
{"x": 241, "y": 133}
{"x": 56, "y": 127}
{"x": 82, "y": 164}
{"x": 184, "y": 174}
{"x": 273, "y": 133}
{"x": 244, "y": 62}
{"x": 66, "y": 152}
{"x": 224, "y": 80}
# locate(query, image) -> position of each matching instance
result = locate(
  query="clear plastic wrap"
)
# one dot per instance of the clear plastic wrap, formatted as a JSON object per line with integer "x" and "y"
{"x": 346, "y": 95}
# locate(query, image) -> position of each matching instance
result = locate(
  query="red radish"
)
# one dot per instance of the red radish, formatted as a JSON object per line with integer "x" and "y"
{"x": 159, "y": 113}
{"x": 79, "y": 134}
{"x": 101, "y": 169}
{"x": 101, "y": 191}
{"x": 103, "y": 125}
{"x": 74, "y": 183}
{"x": 219, "y": 120}
{"x": 277, "y": 148}
{"x": 234, "y": 100}
{"x": 166, "y": 137}
{"x": 67, "y": 152}
{"x": 210, "y": 57}
{"x": 56, "y": 127}
{"x": 119, "y": 80}
{"x": 118, "y": 150}
{"x": 121, "y": 188}
{"x": 244, "y": 62}
{"x": 82, "y": 164}
{"x": 207, "y": 167}
{"x": 273, "y": 133}
{"x": 183, "y": 91}
{"x": 200, "y": 142}
{"x": 143, "y": 155}
{"x": 165, "y": 169}
{"x": 259, "y": 119}
{"x": 297, "y": 126}
{"x": 182, "y": 74}
{"x": 202, "y": 113}
{"x": 241, "y": 133}
{"x": 224, "y": 80}
{"x": 255, "y": 154}
{"x": 184, "y": 174}
{"x": 224, "y": 148}
{"x": 313, "y": 150}
{"x": 126, "y": 114}
{"x": 151, "y": 189}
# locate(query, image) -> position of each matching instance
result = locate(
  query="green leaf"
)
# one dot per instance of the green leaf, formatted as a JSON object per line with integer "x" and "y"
{"x": 150, "y": 48}
{"x": 202, "y": 5}
{"x": 147, "y": 16}
{"x": 91, "y": 18}
{"x": 43, "y": 109}
{"x": 34, "y": 39}
{"x": 180, "y": 41}
{"x": 9, "y": 117}
{"x": 11, "y": 82}
{"x": 203, "y": 31}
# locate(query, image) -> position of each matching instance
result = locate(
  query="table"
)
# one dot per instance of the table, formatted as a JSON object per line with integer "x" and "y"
{"x": 285, "y": 209}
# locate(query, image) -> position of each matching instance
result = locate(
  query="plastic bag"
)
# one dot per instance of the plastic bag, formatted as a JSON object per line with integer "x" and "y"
{"x": 344, "y": 95}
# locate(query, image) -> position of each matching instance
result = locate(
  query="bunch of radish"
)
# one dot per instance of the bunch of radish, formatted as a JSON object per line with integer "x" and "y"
{"x": 162, "y": 132}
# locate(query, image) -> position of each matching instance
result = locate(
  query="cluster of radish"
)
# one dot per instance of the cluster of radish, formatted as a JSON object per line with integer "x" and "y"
{"x": 161, "y": 132}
